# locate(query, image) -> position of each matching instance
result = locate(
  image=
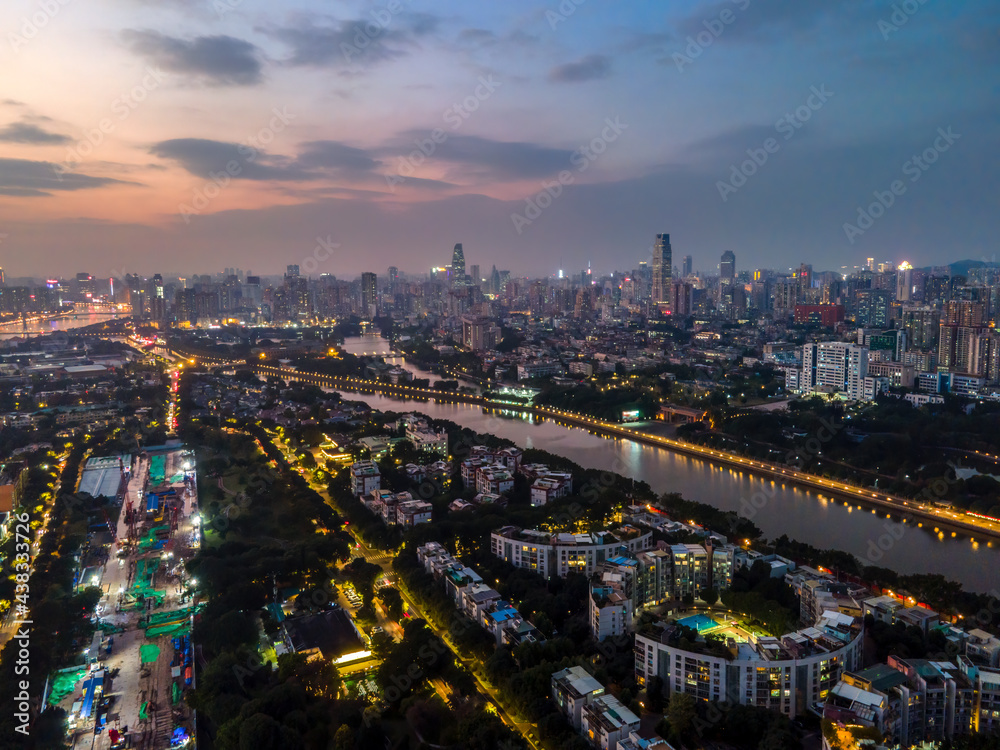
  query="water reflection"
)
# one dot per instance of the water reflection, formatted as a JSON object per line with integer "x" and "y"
{"x": 775, "y": 507}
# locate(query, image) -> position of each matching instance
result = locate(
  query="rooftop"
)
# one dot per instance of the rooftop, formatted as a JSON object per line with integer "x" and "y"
{"x": 577, "y": 682}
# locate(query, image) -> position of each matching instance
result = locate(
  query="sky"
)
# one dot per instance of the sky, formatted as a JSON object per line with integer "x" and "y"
{"x": 185, "y": 136}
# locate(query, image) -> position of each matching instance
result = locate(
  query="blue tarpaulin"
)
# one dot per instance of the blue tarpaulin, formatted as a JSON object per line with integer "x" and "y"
{"x": 89, "y": 688}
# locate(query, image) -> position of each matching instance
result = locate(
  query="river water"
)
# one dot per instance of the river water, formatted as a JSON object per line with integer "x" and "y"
{"x": 776, "y": 508}
{"x": 42, "y": 327}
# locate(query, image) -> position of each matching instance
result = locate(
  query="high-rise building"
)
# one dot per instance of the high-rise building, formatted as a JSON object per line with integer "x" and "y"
{"x": 964, "y": 312}
{"x": 921, "y": 325}
{"x": 478, "y": 333}
{"x": 835, "y": 366}
{"x": 458, "y": 265}
{"x": 904, "y": 282}
{"x": 681, "y": 298}
{"x": 393, "y": 279}
{"x": 804, "y": 276}
{"x": 3, "y": 279}
{"x": 291, "y": 270}
{"x": 688, "y": 266}
{"x": 785, "y": 296}
{"x": 369, "y": 294}
{"x": 474, "y": 274}
{"x": 727, "y": 267}
{"x": 662, "y": 268}
{"x": 85, "y": 285}
{"x": 873, "y": 306}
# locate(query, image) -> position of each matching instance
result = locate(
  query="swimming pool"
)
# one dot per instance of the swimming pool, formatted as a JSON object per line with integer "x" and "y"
{"x": 701, "y": 623}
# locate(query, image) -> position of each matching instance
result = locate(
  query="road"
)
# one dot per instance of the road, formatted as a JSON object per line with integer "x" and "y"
{"x": 9, "y": 627}
{"x": 965, "y": 523}
{"x": 384, "y": 561}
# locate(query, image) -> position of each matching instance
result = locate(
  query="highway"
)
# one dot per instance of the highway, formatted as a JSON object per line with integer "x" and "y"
{"x": 903, "y": 509}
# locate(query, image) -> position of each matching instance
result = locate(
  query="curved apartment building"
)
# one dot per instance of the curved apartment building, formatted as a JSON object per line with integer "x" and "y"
{"x": 786, "y": 674}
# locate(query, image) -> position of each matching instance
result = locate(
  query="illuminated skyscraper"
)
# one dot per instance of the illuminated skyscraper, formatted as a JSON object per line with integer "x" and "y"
{"x": 662, "y": 266}
{"x": 688, "y": 266}
{"x": 369, "y": 294}
{"x": 458, "y": 265}
{"x": 727, "y": 267}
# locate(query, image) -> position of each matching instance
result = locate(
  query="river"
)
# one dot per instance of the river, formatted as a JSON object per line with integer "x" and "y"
{"x": 43, "y": 327}
{"x": 777, "y": 509}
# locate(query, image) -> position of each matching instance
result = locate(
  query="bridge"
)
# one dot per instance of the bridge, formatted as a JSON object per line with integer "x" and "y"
{"x": 905, "y": 510}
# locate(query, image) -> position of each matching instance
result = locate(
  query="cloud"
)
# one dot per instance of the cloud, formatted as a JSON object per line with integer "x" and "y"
{"x": 477, "y": 36}
{"x": 763, "y": 21}
{"x": 217, "y": 60}
{"x": 21, "y": 177}
{"x": 25, "y": 132}
{"x": 586, "y": 68}
{"x": 353, "y": 42}
{"x": 500, "y": 159}
{"x": 334, "y": 155}
{"x": 203, "y": 157}
{"x": 316, "y": 160}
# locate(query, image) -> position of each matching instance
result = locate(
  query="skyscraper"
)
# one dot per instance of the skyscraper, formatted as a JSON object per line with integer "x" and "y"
{"x": 369, "y": 294}
{"x": 291, "y": 270}
{"x": 688, "y": 266}
{"x": 662, "y": 266}
{"x": 458, "y": 265}
{"x": 727, "y": 267}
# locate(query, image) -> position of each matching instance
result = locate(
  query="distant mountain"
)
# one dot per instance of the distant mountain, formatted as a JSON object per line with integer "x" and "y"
{"x": 961, "y": 267}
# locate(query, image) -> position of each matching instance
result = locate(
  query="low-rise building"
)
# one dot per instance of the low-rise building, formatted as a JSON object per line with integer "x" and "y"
{"x": 494, "y": 480}
{"x": 983, "y": 648}
{"x": 605, "y": 721}
{"x": 610, "y": 610}
{"x": 572, "y": 689}
{"x": 365, "y": 478}
{"x": 551, "y": 487}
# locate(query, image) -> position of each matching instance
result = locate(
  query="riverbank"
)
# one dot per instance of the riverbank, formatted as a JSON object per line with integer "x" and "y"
{"x": 777, "y": 506}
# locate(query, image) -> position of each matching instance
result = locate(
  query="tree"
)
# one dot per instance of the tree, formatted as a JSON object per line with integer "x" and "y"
{"x": 392, "y": 601}
{"x": 654, "y": 694}
{"x": 681, "y": 712}
{"x": 780, "y": 736}
{"x": 344, "y": 739}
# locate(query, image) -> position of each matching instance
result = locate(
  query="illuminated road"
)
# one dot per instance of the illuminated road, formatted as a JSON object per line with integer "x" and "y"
{"x": 906, "y": 509}
{"x": 384, "y": 561}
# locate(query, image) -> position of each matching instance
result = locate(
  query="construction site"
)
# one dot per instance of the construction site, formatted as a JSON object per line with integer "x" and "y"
{"x": 129, "y": 690}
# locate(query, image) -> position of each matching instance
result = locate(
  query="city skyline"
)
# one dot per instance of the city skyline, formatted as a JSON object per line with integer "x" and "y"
{"x": 235, "y": 134}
